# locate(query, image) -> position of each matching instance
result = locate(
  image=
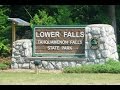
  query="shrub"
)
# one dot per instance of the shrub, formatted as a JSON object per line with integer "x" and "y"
{"x": 100, "y": 68}
{"x": 3, "y": 66}
{"x": 71, "y": 69}
{"x": 110, "y": 66}
{"x": 86, "y": 68}
{"x": 7, "y": 61}
{"x": 42, "y": 18}
{"x": 118, "y": 49}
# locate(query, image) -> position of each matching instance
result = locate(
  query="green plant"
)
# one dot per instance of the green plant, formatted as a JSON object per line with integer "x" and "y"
{"x": 111, "y": 66}
{"x": 4, "y": 50}
{"x": 63, "y": 16}
{"x": 71, "y": 69}
{"x": 7, "y": 61}
{"x": 5, "y": 36}
{"x": 118, "y": 49}
{"x": 3, "y": 66}
{"x": 42, "y": 18}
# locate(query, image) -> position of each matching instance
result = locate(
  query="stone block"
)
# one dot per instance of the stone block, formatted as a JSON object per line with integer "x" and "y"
{"x": 101, "y": 46}
{"x": 25, "y": 45}
{"x": 102, "y": 40}
{"x": 105, "y": 53}
{"x": 87, "y": 30}
{"x": 17, "y": 47}
{"x": 97, "y": 61}
{"x": 25, "y": 66}
{"x": 95, "y": 30}
{"x": 87, "y": 46}
{"x": 14, "y": 66}
{"x": 92, "y": 54}
{"x": 98, "y": 54}
{"x": 86, "y": 53}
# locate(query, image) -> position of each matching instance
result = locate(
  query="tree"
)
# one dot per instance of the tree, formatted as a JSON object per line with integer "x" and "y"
{"x": 42, "y": 18}
{"x": 4, "y": 32}
{"x": 112, "y": 17}
{"x": 63, "y": 15}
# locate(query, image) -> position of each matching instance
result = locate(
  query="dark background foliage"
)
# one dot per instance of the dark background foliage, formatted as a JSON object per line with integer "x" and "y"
{"x": 54, "y": 14}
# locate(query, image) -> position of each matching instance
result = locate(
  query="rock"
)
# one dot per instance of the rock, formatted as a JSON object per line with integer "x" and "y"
{"x": 98, "y": 54}
{"x": 23, "y": 54}
{"x": 64, "y": 64}
{"x": 102, "y": 40}
{"x": 78, "y": 64}
{"x": 87, "y": 30}
{"x": 103, "y": 32}
{"x": 25, "y": 66}
{"x": 101, "y": 46}
{"x": 44, "y": 63}
{"x": 87, "y": 46}
{"x": 59, "y": 65}
{"x": 86, "y": 53}
{"x": 102, "y": 61}
{"x": 13, "y": 50}
{"x": 105, "y": 53}
{"x": 32, "y": 66}
{"x": 89, "y": 63}
{"x": 92, "y": 54}
{"x": 106, "y": 46}
{"x": 116, "y": 56}
{"x": 25, "y": 45}
{"x": 17, "y": 47}
{"x": 95, "y": 31}
{"x": 14, "y": 66}
{"x": 89, "y": 36}
{"x": 50, "y": 66}
{"x": 97, "y": 61}
{"x": 73, "y": 64}
{"x": 18, "y": 43}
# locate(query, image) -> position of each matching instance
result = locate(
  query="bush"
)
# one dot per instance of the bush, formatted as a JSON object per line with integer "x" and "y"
{"x": 86, "y": 68}
{"x": 110, "y": 66}
{"x": 3, "y": 66}
{"x": 7, "y": 61}
{"x": 42, "y": 18}
{"x": 72, "y": 69}
{"x": 118, "y": 49}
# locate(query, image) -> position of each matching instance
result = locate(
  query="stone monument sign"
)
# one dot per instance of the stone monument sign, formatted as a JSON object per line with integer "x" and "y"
{"x": 96, "y": 43}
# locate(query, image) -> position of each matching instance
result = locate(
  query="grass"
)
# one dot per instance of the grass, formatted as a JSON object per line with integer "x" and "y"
{"x": 57, "y": 78}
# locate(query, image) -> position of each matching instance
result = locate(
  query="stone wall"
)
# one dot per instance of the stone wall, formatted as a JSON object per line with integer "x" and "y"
{"x": 21, "y": 49}
{"x": 107, "y": 43}
{"x": 107, "y": 49}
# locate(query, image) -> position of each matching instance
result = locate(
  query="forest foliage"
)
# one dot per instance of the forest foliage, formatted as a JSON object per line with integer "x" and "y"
{"x": 51, "y": 15}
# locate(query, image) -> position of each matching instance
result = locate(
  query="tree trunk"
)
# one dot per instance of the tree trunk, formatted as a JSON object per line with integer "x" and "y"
{"x": 113, "y": 17}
